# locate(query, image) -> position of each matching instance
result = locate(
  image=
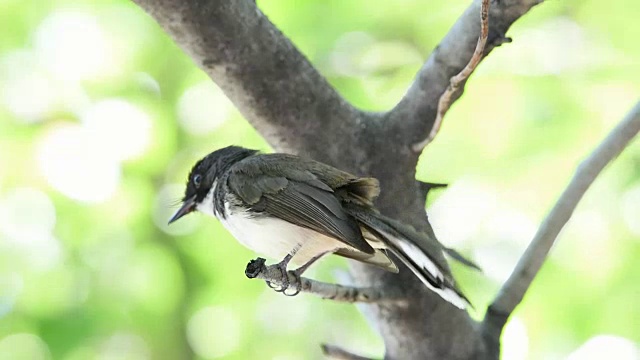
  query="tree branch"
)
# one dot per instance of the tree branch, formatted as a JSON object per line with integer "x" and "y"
{"x": 454, "y": 84}
{"x": 415, "y": 114}
{"x": 515, "y": 287}
{"x": 256, "y": 269}
{"x": 272, "y": 84}
{"x": 294, "y": 108}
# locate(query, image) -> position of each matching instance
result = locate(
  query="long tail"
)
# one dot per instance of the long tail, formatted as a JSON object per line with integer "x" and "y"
{"x": 423, "y": 255}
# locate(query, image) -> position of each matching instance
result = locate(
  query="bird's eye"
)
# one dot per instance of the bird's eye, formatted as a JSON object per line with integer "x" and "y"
{"x": 197, "y": 180}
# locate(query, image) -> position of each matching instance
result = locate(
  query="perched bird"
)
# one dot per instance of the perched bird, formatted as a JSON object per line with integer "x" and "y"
{"x": 286, "y": 207}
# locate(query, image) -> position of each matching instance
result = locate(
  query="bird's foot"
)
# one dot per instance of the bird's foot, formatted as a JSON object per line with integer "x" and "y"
{"x": 277, "y": 273}
{"x": 284, "y": 280}
{"x": 297, "y": 284}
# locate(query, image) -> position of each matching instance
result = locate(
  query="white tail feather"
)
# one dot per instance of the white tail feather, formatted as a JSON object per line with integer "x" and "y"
{"x": 412, "y": 256}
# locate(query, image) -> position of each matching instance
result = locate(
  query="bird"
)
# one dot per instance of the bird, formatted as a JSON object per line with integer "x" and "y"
{"x": 284, "y": 206}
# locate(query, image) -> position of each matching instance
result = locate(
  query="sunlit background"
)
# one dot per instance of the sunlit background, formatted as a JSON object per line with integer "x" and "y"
{"x": 101, "y": 117}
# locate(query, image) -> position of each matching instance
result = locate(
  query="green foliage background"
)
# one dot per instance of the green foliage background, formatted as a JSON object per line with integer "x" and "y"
{"x": 88, "y": 268}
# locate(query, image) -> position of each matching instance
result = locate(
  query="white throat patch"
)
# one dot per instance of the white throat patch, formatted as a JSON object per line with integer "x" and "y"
{"x": 206, "y": 205}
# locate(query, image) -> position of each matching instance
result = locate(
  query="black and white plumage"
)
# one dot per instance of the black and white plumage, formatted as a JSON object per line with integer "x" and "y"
{"x": 284, "y": 206}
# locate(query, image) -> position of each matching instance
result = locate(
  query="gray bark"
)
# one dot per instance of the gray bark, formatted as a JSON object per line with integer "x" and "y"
{"x": 514, "y": 289}
{"x": 296, "y": 110}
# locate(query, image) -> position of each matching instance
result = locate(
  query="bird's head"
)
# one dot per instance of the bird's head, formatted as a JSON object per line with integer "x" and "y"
{"x": 205, "y": 173}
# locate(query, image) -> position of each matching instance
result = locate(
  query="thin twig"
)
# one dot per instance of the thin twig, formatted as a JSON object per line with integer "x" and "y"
{"x": 338, "y": 353}
{"x": 256, "y": 269}
{"x": 529, "y": 264}
{"x": 446, "y": 98}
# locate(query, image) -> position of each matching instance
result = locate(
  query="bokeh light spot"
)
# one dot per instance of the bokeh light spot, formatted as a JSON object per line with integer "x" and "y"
{"x": 27, "y": 212}
{"x": 515, "y": 341}
{"x": 73, "y": 46}
{"x": 459, "y": 212}
{"x": 119, "y": 128}
{"x": 25, "y": 90}
{"x": 509, "y": 231}
{"x": 27, "y": 219}
{"x": 271, "y": 309}
{"x": 124, "y": 346}
{"x": 202, "y": 108}
{"x": 595, "y": 258}
{"x": 73, "y": 164}
{"x": 23, "y": 346}
{"x": 606, "y": 347}
{"x": 214, "y": 332}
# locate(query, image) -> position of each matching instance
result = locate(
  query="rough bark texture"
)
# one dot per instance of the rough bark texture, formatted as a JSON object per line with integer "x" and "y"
{"x": 297, "y": 111}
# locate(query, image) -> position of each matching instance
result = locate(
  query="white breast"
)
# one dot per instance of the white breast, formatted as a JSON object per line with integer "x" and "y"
{"x": 271, "y": 237}
{"x": 275, "y": 238}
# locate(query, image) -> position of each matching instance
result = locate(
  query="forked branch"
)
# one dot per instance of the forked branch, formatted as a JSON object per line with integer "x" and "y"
{"x": 446, "y": 99}
{"x": 415, "y": 115}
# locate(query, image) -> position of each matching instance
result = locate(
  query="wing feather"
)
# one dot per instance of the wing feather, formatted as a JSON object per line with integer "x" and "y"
{"x": 305, "y": 201}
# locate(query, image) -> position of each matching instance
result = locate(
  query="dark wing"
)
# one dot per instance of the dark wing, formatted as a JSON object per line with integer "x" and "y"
{"x": 305, "y": 201}
{"x": 347, "y": 187}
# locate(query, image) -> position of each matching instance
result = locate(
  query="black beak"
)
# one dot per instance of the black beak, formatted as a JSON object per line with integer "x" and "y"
{"x": 187, "y": 206}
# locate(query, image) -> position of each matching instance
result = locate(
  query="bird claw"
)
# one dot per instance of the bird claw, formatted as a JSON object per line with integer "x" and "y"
{"x": 255, "y": 267}
{"x": 298, "y": 284}
{"x": 282, "y": 266}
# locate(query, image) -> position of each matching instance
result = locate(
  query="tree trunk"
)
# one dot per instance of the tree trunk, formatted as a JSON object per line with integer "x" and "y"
{"x": 285, "y": 98}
